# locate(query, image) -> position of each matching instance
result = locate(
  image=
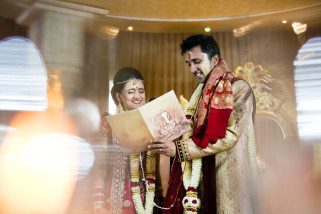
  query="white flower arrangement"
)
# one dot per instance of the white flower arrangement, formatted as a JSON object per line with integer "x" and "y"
{"x": 135, "y": 161}
{"x": 192, "y": 169}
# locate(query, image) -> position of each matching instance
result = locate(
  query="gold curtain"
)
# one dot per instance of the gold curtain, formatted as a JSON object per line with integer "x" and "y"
{"x": 157, "y": 56}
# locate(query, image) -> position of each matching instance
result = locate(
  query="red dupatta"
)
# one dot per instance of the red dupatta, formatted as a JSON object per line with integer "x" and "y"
{"x": 211, "y": 117}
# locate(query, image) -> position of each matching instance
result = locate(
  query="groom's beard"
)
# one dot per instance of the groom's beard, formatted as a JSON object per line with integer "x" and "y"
{"x": 199, "y": 76}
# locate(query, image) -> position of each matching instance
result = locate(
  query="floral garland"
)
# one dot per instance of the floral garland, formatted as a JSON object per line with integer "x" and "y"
{"x": 135, "y": 161}
{"x": 192, "y": 169}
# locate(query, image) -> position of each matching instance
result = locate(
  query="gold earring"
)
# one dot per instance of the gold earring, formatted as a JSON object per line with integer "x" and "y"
{"x": 120, "y": 108}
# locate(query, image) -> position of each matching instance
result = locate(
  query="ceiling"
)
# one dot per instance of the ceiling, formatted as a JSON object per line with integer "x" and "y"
{"x": 187, "y": 15}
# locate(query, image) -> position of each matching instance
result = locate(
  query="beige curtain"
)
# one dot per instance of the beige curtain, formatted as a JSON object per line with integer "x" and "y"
{"x": 157, "y": 56}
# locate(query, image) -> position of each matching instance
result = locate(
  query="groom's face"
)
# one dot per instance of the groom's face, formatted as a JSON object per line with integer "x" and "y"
{"x": 199, "y": 63}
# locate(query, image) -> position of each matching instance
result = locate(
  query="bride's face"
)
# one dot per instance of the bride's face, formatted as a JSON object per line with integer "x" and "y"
{"x": 133, "y": 94}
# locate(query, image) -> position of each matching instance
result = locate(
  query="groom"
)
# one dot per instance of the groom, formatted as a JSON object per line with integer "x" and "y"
{"x": 215, "y": 163}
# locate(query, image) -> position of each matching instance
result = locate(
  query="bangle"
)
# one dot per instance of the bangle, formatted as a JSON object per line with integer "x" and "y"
{"x": 98, "y": 204}
{"x": 182, "y": 150}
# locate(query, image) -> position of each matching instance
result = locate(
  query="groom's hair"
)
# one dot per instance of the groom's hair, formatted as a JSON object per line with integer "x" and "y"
{"x": 207, "y": 44}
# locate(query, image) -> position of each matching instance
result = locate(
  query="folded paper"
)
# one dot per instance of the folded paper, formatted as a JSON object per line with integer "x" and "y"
{"x": 159, "y": 120}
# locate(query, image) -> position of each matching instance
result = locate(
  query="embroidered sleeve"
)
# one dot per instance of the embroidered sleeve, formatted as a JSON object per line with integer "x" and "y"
{"x": 242, "y": 110}
{"x": 100, "y": 141}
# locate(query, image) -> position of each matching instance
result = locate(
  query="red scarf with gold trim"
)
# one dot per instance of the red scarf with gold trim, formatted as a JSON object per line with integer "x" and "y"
{"x": 218, "y": 92}
{"x": 214, "y": 107}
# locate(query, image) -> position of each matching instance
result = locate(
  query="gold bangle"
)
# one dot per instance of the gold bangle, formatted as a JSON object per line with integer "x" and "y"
{"x": 182, "y": 150}
{"x": 179, "y": 151}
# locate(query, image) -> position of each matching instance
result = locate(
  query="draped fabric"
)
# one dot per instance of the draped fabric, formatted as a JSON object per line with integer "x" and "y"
{"x": 214, "y": 107}
{"x": 111, "y": 189}
{"x": 236, "y": 170}
{"x": 157, "y": 56}
{"x": 229, "y": 172}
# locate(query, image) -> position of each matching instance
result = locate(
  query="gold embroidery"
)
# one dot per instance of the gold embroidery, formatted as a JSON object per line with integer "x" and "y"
{"x": 235, "y": 159}
{"x": 183, "y": 151}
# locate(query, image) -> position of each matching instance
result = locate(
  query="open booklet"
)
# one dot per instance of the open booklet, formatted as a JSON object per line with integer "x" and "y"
{"x": 159, "y": 120}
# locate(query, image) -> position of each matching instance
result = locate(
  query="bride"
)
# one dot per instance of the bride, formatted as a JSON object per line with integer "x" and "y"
{"x": 127, "y": 183}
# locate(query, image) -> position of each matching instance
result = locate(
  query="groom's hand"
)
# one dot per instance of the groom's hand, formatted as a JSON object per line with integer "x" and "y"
{"x": 167, "y": 148}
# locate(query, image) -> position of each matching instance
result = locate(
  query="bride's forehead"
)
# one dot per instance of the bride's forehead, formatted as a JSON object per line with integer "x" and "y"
{"x": 134, "y": 83}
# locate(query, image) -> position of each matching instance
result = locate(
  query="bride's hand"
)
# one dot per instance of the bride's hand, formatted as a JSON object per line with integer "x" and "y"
{"x": 167, "y": 148}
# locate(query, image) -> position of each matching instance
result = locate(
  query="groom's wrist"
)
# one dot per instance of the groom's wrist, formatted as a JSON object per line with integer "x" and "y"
{"x": 182, "y": 150}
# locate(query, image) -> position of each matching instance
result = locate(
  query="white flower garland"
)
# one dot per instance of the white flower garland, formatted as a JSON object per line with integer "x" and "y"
{"x": 192, "y": 169}
{"x": 135, "y": 161}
